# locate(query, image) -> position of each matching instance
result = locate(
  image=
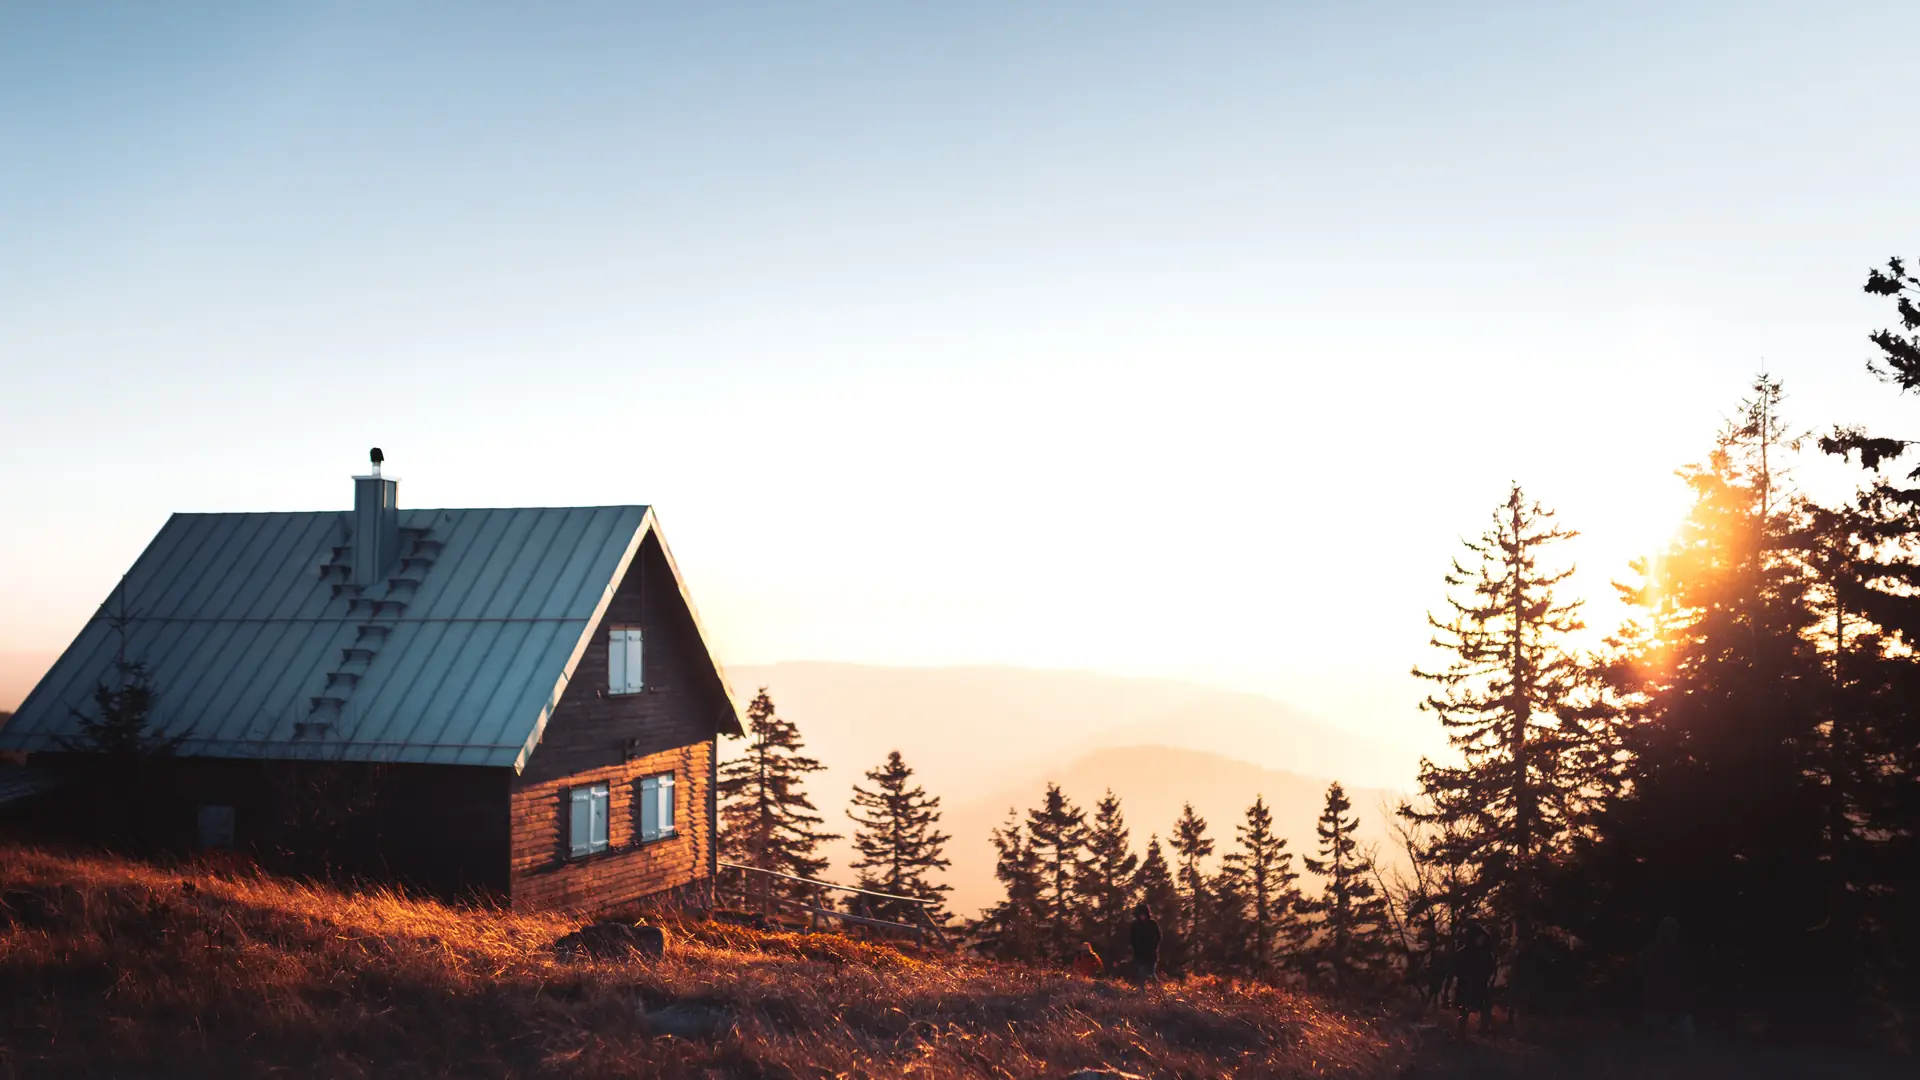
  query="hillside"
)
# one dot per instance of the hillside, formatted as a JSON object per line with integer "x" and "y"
{"x": 115, "y": 968}
{"x": 1153, "y": 782}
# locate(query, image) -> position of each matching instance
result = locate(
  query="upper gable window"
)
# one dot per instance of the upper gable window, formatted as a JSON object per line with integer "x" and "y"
{"x": 623, "y": 661}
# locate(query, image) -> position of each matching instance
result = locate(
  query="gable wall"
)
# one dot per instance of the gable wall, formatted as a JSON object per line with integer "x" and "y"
{"x": 672, "y": 727}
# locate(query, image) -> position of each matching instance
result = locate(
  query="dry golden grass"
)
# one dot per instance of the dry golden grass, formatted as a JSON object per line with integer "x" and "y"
{"x": 117, "y": 968}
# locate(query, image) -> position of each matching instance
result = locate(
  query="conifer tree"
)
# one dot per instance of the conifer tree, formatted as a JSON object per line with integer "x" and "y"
{"x": 1273, "y": 926}
{"x": 1724, "y": 813}
{"x": 1874, "y": 626}
{"x": 1353, "y": 932}
{"x": 1509, "y": 700}
{"x": 120, "y": 730}
{"x": 1191, "y": 845}
{"x": 1014, "y": 929}
{"x": 1107, "y": 882}
{"x": 898, "y": 840}
{"x": 766, "y": 819}
{"x": 1057, "y": 833}
{"x": 1225, "y": 928}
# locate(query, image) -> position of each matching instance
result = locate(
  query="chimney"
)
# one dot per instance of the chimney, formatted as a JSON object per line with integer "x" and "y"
{"x": 376, "y": 523}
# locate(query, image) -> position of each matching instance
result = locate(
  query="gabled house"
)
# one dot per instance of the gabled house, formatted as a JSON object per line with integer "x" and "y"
{"x": 519, "y": 703}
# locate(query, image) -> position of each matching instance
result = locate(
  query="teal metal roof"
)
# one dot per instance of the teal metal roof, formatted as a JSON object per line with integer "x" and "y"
{"x": 258, "y": 647}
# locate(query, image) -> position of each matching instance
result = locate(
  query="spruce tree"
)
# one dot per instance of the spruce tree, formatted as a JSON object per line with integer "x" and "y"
{"x": 1191, "y": 845}
{"x": 1014, "y": 929}
{"x": 766, "y": 819}
{"x": 1510, "y": 700}
{"x": 1353, "y": 932}
{"x": 1723, "y": 814}
{"x": 1872, "y": 566}
{"x": 1057, "y": 833}
{"x": 1107, "y": 880}
{"x": 899, "y": 842}
{"x": 1225, "y": 927}
{"x": 120, "y": 730}
{"x": 1273, "y": 926}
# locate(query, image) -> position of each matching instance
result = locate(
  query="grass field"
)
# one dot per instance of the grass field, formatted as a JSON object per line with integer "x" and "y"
{"x": 117, "y": 968}
{"x": 110, "y": 967}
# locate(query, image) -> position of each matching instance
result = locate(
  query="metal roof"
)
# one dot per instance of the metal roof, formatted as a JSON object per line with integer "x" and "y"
{"x": 258, "y": 649}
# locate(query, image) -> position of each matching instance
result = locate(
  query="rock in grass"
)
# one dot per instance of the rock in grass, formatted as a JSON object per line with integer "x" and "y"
{"x": 611, "y": 941}
{"x": 690, "y": 1020}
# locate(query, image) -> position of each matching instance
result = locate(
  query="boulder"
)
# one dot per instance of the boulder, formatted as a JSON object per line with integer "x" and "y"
{"x": 690, "y": 1020}
{"x": 611, "y": 941}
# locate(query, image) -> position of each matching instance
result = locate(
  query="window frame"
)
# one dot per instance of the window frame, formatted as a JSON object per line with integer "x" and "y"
{"x": 649, "y": 803}
{"x": 215, "y": 826}
{"x": 587, "y": 795}
{"x": 626, "y": 650}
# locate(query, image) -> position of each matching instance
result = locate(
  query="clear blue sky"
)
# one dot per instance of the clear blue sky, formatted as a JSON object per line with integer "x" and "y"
{"x": 1177, "y": 339}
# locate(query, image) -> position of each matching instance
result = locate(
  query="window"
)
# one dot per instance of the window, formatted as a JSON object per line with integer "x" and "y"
{"x": 623, "y": 661}
{"x": 216, "y": 826}
{"x": 587, "y": 828}
{"x": 656, "y": 807}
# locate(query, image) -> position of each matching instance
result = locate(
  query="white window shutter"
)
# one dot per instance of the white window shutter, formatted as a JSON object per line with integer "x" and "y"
{"x": 599, "y": 803}
{"x": 635, "y": 672}
{"x": 666, "y": 804}
{"x": 617, "y": 662}
{"x": 650, "y": 808}
{"x": 580, "y": 823}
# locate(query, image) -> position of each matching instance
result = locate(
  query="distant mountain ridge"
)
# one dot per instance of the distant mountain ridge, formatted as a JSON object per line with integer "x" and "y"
{"x": 983, "y": 738}
{"x": 954, "y": 718}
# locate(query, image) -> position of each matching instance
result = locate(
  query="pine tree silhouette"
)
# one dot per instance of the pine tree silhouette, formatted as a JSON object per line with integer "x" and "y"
{"x": 1057, "y": 833}
{"x": 766, "y": 819}
{"x": 1191, "y": 845}
{"x": 118, "y": 736}
{"x": 1510, "y": 700}
{"x": 896, "y": 834}
{"x": 1868, "y": 557}
{"x": 1107, "y": 880}
{"x": 1226, "y": 930}
{"x": 1014, "y": 928}
{"x": 1274, "y": 930}
{"x": 1724, "y": 812}
{"x": 1353, "y": 932}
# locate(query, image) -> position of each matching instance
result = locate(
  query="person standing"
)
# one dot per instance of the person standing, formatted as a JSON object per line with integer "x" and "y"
{"x": 1144, "y": 936}
{"x": 1473, "y": 970}
{"x": 1667, "y": 982}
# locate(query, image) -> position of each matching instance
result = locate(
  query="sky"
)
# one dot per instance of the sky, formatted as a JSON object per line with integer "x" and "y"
{"x": 1177, "y": 340}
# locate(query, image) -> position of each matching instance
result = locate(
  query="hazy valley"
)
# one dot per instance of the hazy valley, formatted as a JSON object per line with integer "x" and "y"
{"x": 986, "y": 738}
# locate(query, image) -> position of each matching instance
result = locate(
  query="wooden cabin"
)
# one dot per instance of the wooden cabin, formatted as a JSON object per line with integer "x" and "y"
{"x": 512, "y": 703}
